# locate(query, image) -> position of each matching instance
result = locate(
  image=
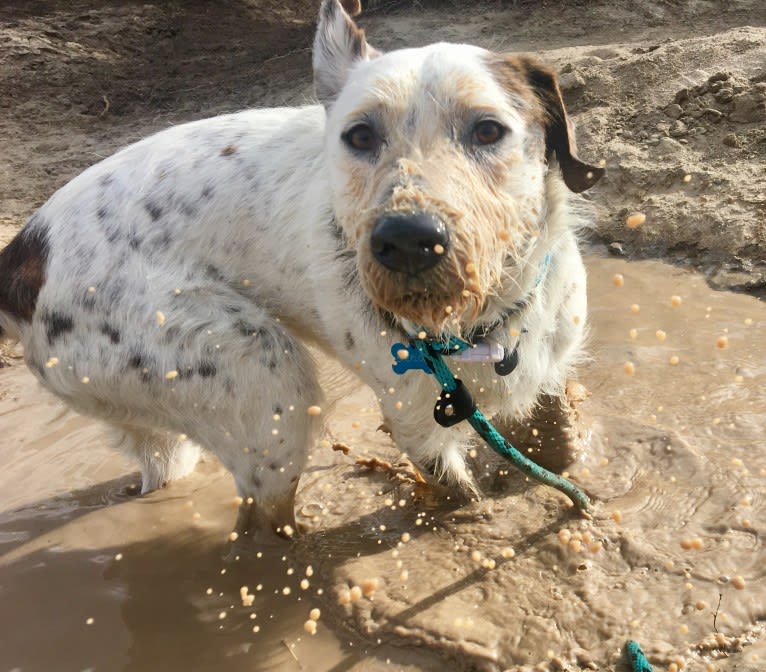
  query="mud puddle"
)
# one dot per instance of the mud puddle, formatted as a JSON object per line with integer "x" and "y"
{"x": 517, "y": 581}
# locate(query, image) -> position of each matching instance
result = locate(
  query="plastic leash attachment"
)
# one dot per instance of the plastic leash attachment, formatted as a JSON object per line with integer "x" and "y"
{"x": 455, "y": 404}
{"x": 638, "y": 661}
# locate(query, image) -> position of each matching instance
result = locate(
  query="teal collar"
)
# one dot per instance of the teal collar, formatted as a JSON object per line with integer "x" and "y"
{"x": 482, "y": 331}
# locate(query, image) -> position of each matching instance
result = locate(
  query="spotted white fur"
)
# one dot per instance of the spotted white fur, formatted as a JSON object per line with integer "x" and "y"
{"x": 249, "y": 232}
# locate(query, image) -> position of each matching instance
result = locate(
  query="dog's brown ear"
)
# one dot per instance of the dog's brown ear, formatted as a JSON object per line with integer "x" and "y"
{"x": 352, "y": 7}
{"x": 339, "y": 43}
{"x": 559, "y": 133}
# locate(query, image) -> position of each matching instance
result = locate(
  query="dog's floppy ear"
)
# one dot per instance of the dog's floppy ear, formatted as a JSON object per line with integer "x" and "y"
{"x": 338, "y": 44}
{"x": 559, "y": 133}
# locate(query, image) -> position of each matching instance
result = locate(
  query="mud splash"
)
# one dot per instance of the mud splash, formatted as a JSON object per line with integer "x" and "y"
{"x": 675, "y": 462}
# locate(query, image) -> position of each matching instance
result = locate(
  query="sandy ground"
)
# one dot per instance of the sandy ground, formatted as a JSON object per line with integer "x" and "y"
{"x": 661, "y": 91}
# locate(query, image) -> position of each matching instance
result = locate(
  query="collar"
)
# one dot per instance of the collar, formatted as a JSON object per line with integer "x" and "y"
{"x": 482, "y": 331}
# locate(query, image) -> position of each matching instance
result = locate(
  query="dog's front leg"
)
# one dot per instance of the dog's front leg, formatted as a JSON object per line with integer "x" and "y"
{"x": 438, "y": 451}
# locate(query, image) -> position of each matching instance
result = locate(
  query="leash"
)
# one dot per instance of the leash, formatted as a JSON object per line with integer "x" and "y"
{"x": 456, "y": 404}
{"x": 638, "y": 661}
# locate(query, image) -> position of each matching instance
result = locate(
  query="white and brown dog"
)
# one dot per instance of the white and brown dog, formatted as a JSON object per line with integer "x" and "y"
{"x": 172, "y": 289}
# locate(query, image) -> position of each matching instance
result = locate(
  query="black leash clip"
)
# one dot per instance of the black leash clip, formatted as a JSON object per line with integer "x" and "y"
{"x": 509, "y": 362}
{"x": 454, "y": 406}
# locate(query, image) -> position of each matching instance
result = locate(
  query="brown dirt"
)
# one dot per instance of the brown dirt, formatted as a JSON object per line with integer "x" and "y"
{"x": 80, "y": 79}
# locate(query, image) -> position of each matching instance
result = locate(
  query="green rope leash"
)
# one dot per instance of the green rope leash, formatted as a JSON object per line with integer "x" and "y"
{"x": 455, "y": 397}
{"x": 638, "y": 661}
{"x": 431, "y": 361}
{"x": 431, "y": 352}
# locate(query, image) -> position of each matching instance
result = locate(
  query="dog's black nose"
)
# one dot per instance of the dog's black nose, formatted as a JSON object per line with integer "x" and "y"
{"x": 409, "y": 242}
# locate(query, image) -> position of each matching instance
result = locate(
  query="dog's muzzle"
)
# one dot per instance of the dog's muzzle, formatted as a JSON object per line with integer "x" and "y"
{"x": 409, "y": 242}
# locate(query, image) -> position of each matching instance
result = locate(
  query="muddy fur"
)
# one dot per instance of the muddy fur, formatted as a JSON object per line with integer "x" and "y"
{"x": 182, "y": 279}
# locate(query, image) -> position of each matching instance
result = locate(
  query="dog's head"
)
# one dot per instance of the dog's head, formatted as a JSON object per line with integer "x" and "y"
{"x": 441, "y": 160}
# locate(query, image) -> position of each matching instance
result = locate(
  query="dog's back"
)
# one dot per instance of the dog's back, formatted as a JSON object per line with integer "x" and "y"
{"x": 143, "y": 293}
{"x": 191, "y": 195}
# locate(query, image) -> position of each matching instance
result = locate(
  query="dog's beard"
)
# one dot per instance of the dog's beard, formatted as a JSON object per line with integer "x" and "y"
{"x": 444, "y": 302}
{"x": 440, "y": 300}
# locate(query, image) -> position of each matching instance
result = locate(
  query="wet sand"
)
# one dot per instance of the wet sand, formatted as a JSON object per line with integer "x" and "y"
{"x": 674, "y": 461}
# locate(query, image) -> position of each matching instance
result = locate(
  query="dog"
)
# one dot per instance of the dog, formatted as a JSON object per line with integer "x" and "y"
{"x": 174, "y": 289}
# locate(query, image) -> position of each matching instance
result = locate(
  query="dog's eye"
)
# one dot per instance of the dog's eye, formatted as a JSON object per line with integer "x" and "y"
{"x": 487, "y": 132}
{"x": 361, "y": 138}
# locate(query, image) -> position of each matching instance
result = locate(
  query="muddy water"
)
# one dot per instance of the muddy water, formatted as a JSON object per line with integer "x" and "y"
{"x": 675, "y": 461}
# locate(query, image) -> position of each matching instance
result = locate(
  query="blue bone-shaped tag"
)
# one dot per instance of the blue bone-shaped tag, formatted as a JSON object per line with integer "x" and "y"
{"x": 412, "y": 362}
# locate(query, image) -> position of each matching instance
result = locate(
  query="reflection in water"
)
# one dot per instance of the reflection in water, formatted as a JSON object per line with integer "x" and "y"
{"x": 674, "y": 458}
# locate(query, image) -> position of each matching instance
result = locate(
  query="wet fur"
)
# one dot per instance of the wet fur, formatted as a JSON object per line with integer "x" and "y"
{"x": 172, "y": 288}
